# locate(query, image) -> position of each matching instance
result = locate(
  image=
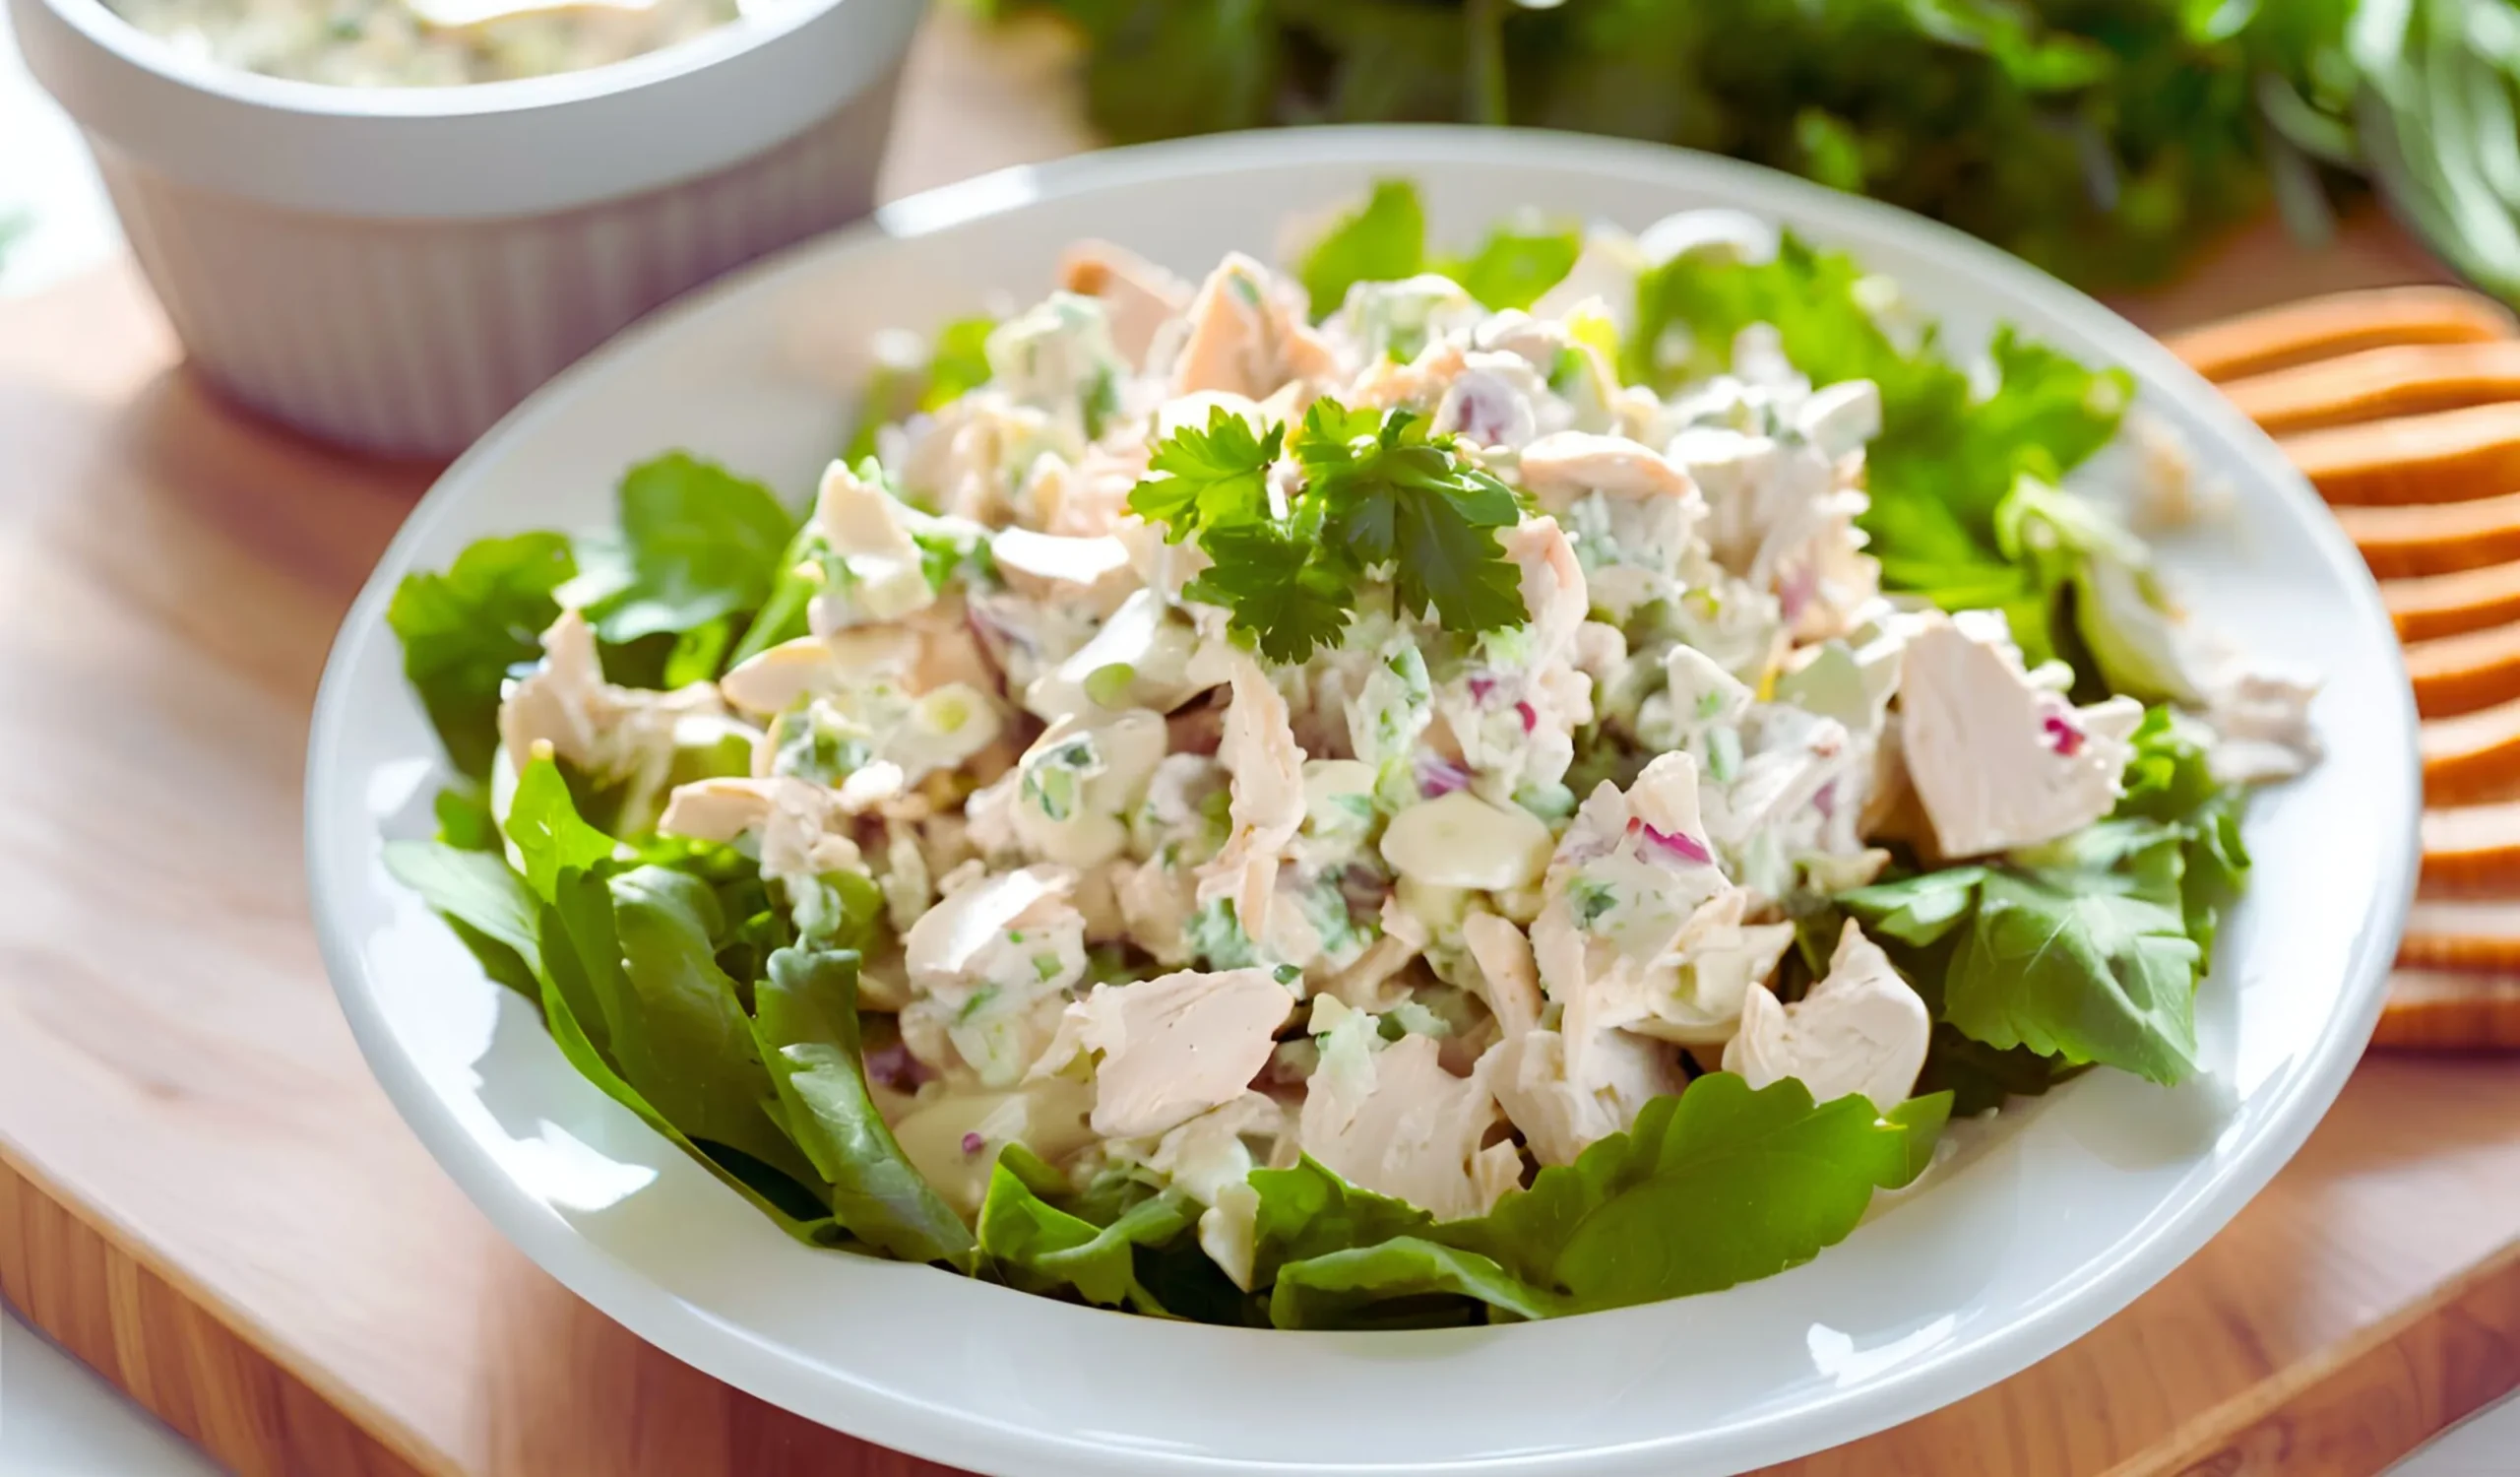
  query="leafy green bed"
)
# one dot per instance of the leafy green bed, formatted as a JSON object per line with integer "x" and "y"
{"x": 675, "y": 981}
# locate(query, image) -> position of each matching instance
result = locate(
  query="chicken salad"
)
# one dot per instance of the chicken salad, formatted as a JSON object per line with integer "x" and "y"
{"x": 1403, "y": 790}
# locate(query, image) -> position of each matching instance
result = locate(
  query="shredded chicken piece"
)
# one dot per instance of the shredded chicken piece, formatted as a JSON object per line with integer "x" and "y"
{"x": 1138, "y": 295}
{"x": 1259, "y": 750}
{"x": 1861, "y": 1029}
{"x": 1571, "y": 463}
{"x": 1413, "y": 1131}
{"x": 1172, "y": 1047}
{"x": 1246, "y": 337}
{"x": 614, "y": 733}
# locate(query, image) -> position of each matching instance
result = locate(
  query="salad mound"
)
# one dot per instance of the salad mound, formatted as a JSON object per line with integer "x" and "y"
{"x": 1412, "y": 790}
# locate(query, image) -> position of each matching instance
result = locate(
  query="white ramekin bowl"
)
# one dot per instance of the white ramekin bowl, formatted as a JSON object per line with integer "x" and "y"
{"x": 393, "y": 269}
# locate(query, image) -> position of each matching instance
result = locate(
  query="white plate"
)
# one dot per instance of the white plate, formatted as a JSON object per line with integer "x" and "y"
{"x": 2065, "y": 1219}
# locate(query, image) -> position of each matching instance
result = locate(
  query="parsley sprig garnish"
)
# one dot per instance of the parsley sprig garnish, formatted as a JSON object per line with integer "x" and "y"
{"x": 1379, "y": 493}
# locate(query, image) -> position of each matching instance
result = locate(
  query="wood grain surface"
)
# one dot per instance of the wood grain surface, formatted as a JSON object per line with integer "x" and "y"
{"x": 204, "y": 1194}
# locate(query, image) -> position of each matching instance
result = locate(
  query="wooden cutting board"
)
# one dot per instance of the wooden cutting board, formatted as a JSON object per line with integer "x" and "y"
{"x": 204, "y": 1194}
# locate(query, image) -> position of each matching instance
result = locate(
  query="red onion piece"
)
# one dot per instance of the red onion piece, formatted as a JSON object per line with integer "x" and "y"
{"x": 1677, "y": 844}
{"x": 1437, "y": 777}
{"x": 895, "y": 1067}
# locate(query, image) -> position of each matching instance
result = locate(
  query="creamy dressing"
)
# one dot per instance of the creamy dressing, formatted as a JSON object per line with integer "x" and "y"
{"x": 388, "y": 43}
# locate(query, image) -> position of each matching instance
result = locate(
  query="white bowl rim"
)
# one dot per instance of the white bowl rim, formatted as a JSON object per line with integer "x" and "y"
{"x": 2165, "y": 1238}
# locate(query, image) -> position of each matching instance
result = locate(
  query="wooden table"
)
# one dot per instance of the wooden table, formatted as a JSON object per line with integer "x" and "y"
{"x": 204, "y": 1194}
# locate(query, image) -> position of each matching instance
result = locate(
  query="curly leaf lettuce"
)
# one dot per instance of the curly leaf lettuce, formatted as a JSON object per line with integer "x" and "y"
{"x": 1034, "y": 1243}
{"x": 1719, "y": 1184}
{"x": 1408, "y": 1282}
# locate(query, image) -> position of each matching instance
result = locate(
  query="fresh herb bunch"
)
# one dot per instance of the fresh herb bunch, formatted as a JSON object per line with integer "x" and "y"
{"x": 1376, "y": 492}
{"x": 2426, "y": 96}
{"x": 2100, "y": 139}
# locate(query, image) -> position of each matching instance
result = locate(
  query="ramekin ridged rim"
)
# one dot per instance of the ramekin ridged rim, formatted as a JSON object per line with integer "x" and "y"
{"x": 529, "y": 145}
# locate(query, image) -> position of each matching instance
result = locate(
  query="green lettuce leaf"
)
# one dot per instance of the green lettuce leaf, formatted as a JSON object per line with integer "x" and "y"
{"x": 1716, "y": 1186}
{"x": 463, "y": 629}
{"x": 488, "y": 905}
{"x": 475, "y": 889}
{"x": 697, "y": 544}
{"x": 2083, "y": 965}
{"x": 463, "y": 819}
{"x": 1924, "y": 1116}
{"x": 957, "y": 362}
{"x": 1408, "y": 1282}
{"x": 1307, "y": 1211}
{"x": 788, "y": 1205}
{"x": 1515, "y": 265}
{"x": 550, "y": 835}
{"x": 554, "y": 952}
{"x": 678, "y": 1028}
{"x": 806, "y": 1019}
{"x": 1033, "y": 1245}
{"x": 784, "y": 613}
{"x": 2084, "y": 959}
{"x": 1976, "y": 1076}
{"x": 1382, "y": 240}
{"x": 2170, "y": 782}
{"x": 1919, "y": 911}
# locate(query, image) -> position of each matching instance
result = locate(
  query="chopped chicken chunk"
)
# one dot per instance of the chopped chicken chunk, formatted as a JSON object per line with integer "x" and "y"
{"x": 2000, "y": 761}
{"x": 1861, "y": 1029}
{"x": 1172, "y": 1047}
